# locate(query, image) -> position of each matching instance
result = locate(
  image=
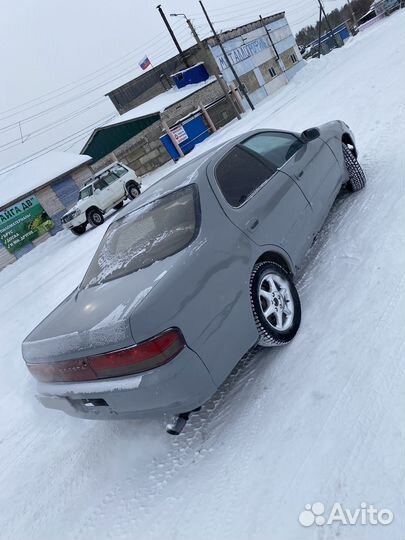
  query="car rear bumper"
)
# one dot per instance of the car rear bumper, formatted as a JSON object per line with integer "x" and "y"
{"x": 179, "y": 386}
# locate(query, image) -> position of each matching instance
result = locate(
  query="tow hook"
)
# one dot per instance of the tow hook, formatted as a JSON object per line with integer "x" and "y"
{"x": 179, "y": 422}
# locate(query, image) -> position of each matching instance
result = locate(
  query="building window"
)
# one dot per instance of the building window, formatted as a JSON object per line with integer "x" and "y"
{"x": 272, "y": 72}
{"x": 293, "y": 58}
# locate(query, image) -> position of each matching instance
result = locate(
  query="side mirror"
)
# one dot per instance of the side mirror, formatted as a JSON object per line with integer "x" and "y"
{"x": 310, "y": 135}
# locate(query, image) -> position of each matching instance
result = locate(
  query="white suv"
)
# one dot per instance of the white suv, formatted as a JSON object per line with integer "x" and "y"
{"x": 108, "y": 189}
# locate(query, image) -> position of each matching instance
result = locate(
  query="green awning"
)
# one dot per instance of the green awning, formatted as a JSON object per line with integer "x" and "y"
{"x": 108, "y": 138}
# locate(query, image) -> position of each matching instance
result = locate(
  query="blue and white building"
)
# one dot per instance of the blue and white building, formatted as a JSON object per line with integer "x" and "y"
{"x": 263, "y": 53}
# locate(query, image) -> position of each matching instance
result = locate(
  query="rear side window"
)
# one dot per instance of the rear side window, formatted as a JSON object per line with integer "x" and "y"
{"x": 119, "y": 170}
{"x": 149, "y": 234}
{"x": 239, "y": 174}
{"x": 108, "y": 176}
{"x": 277, "y": 148}
{"x": 100, "y": 184}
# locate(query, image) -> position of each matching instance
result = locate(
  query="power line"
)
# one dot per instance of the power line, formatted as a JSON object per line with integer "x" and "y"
{"x": 255, "y": 6}
{"x": 94, "y": 88}
{"x": 48, "y": 127}
{"x": 290, "y": 12}
{"x": 120, "y": 60}
{"x": 77, "y": 135}
{"x": 162, "y": 51}
{"x": 249, "y": 12}
{"x": 305, "y": 19}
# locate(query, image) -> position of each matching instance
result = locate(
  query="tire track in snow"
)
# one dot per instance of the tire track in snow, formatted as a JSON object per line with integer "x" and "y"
{"x": 190, "y": 447}
{"x": 127, "y": 521}
{"x": 347, "y": 393}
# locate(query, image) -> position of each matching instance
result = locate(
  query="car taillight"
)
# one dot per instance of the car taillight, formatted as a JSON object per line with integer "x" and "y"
{"x": 147, "y": 355}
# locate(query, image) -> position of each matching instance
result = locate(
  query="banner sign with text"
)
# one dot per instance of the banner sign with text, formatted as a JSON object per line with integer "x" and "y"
{"x": 22, "y": 223}
{"x": 244, "y": 52}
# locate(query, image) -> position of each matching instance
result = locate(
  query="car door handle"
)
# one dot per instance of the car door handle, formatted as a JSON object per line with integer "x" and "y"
{"x": 252, "y": 224}
{"x": 299, "y": 175}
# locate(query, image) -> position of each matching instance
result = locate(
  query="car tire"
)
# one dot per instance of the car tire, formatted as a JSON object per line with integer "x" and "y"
{"x": 357, "y": 178}
{"x": 133, "y": 190}
{"x": 95, "y": 217}
{"x": 80, "y": 229}
{"x": 119, "y": 205}
{"x": 276, "y": 304}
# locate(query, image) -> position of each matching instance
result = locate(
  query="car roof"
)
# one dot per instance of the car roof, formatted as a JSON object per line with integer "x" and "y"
{"x": 93, "y": 178}
{"x": 101, "y": 171}
{"x": 191, "y": 172}
{"x": 87, "y": 184}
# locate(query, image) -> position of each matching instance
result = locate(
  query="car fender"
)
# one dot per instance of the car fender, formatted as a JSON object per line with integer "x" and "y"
{"x": 333, "y": 134}
{"x": 130, "y": 181}
{"x": 95, "y": 207}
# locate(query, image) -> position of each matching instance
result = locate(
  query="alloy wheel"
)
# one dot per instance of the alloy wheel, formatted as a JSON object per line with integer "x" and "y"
{"x": 276, "y": 301}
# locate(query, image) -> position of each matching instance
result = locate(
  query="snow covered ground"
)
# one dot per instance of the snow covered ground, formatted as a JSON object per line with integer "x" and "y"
{"x": 321, "y": 420}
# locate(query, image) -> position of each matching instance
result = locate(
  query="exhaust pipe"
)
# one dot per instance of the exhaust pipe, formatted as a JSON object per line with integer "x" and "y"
{"x": 179, "y": 423}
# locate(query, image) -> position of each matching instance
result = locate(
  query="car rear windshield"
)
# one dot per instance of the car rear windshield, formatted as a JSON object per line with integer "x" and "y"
{"x": 146, "y": 235}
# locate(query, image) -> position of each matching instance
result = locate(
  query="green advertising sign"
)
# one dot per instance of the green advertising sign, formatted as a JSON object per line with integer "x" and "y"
{"x": 22, "y": 223}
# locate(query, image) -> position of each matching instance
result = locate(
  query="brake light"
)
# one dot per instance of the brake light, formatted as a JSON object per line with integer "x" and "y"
{"x": 144, "y": 356}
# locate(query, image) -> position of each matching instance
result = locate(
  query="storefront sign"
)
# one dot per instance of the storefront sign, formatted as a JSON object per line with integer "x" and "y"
{"x": 179, "y": 134}
{"x": 244, "y": 51}
{"x": 22, "y": 223}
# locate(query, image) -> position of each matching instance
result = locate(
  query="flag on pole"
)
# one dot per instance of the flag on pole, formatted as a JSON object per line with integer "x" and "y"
{"x": 145, "y": 63}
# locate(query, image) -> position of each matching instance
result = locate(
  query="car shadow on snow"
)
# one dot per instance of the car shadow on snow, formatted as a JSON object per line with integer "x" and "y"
{"x": 250, "y": 370}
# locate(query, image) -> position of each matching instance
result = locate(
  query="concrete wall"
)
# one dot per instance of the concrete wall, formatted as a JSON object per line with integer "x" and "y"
{"x": 206, "y": 95}
{"x": 143, "y": 153}
{"x": 56, "y": 198}
{"x": 221, "y": 113}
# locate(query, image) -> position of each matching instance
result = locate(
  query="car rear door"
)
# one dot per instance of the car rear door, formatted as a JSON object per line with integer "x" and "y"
{"x": 264, "y": 202}
{"x": 116, "y": 187}
{"x": 102, "y": 194}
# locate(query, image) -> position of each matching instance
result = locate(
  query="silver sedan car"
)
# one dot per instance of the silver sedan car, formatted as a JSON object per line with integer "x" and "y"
{"x": 191, "y": 275}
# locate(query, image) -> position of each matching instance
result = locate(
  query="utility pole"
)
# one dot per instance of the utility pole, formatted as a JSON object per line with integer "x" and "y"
{"x": 328, "y": 23}
{"x": 320, "y": 33}
{"x": 241, "y": 86}
{"x": 279, "y": 61}
{"x": 352, "y": 12}
{"x": 212, "y": 65}
{"x": 21, "y": 133}
{"x": 270, "y": 38}
{"x": 181, "y": 52}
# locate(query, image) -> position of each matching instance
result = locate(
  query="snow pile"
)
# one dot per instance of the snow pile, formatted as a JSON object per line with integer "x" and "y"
{"x": 161, "y": 102}
{"x": 321, "y": 420}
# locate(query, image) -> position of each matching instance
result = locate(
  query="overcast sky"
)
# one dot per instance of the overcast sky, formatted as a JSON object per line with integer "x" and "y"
{"x": 64, "y": 55}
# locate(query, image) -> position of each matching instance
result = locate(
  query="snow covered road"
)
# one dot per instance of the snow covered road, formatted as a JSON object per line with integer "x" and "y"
{"x": 321, "y": 420}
